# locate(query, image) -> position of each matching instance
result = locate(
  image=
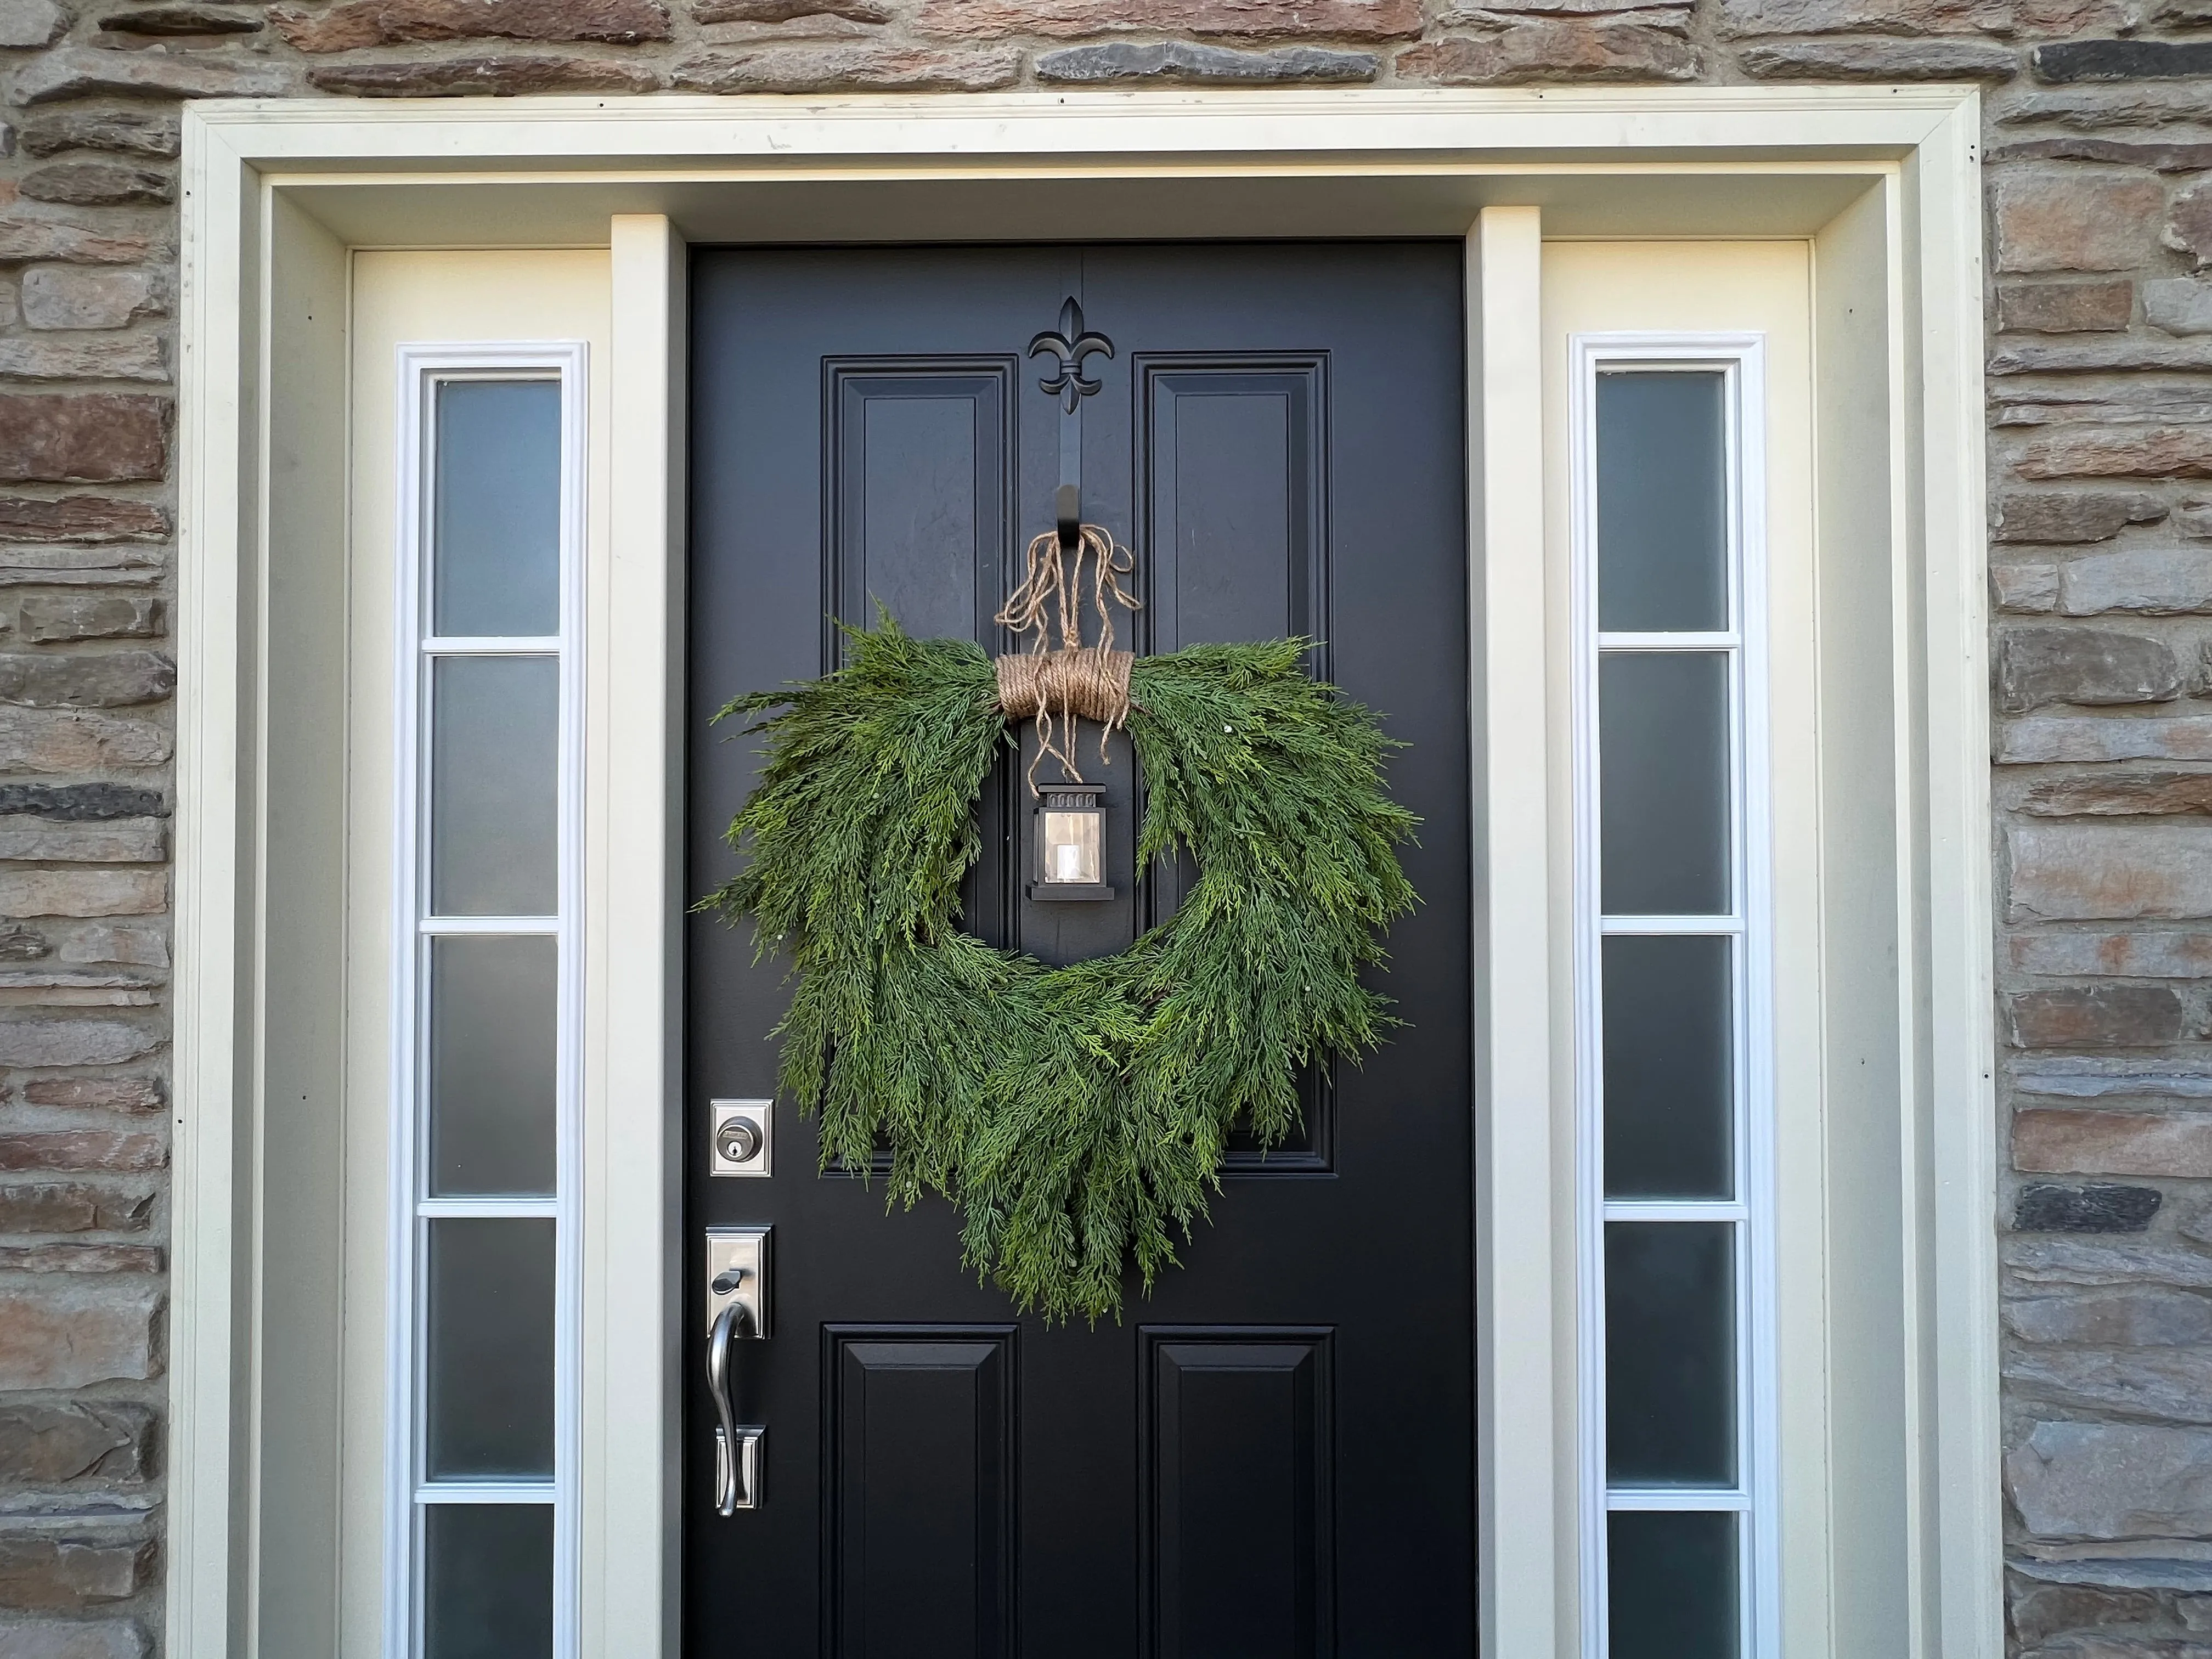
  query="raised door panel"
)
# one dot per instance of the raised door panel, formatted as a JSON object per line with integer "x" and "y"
{"x": 1237, "y": 1551}
{"x": 919, "y": 469}
{"x": 919, "y": 1531}
{"x": 1234, "y": 545}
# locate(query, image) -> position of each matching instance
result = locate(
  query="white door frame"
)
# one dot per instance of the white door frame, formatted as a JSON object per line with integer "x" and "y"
{"x": 1883, "y": 183}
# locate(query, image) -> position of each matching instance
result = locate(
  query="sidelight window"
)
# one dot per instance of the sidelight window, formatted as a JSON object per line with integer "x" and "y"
{"x": 484, "y": 1263}
{"x": 1672, "y": 943}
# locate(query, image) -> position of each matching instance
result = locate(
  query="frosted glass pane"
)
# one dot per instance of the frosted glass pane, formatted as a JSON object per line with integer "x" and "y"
{"x": 494, "y": 729}
{"x": 487, "y": 1581}
{"x": 1661, "y": 503}
{"x": 496, "y": 508}
{"x": 1668, "y": 1067}
{"x": 1673, "y": 1583}
{"x": 1663, "y": 783}
{"x": 1670, "y": 1353}
{"x": 493, "y": 1044}
{"x": 490, "y": 1327}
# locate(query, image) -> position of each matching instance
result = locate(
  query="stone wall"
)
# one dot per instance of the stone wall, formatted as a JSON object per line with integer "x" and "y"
{"x": 2100, "y": 152}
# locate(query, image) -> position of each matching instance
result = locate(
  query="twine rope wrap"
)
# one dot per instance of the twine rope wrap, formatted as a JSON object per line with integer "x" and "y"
{"x": 1061, "y": 687}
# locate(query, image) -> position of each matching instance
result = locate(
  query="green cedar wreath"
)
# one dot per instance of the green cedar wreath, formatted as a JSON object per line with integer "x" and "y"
{"x": 1076, "y": 1115}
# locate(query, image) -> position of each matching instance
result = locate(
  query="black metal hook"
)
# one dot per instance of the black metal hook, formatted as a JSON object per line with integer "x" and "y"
{"x": 1069, "y": 347}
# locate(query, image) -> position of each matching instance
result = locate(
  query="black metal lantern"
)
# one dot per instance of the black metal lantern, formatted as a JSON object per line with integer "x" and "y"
{"x": 1071, "y": 842}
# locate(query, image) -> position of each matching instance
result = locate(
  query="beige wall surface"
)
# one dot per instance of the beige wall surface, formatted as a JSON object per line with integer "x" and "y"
{"x": 2098, "y": 152}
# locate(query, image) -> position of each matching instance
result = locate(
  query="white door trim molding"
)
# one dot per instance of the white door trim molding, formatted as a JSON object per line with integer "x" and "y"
{"x": 1883, "y": 179}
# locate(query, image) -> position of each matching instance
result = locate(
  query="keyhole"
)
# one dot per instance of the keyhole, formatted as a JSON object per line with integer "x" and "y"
{"x": 738, "y": 1140}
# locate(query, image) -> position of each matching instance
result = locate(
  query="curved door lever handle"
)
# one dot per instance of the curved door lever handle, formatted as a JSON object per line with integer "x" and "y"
{"x": 737, "y": 1449}
{"x": 737, "y": 1312}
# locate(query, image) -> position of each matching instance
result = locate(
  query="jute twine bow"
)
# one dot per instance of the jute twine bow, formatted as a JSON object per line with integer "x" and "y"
{"x": 1059, "y": 687}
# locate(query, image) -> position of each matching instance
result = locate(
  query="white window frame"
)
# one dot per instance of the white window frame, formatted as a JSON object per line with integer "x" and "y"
{"x": 421, "y": 368}
{"x": 1741, "y": 360}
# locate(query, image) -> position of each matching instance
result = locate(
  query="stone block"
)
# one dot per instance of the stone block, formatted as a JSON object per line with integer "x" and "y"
{"x": 56, "y": 740}
{"x": 2065, "y": 307}
{"x": 2080, "y": 1261}
{"x": 507, "y": 75}
{"x": 1343, "y": 20}
{"x": 2146, "y": 1318}
{"x": 86, "y": 437}
{"x": 118, "y": 131}
{"x": 2108, "y": 354}
{"x": 2111, "y": 1480}
{"x": 128, "y": 1152}
{"x": 2122, "y": 60}
{"x": 855, "y": 65}
{"x": 2097, "y": 1077}
{"x": 2097, "y": 1207}
{"x": 42, "y": 1572}
{"x": 2095, "y": 1140}
{"x": 94, "y": 520}
{"x": 98, "y": 184}
{"x": 74, "y": 1638}
{"x": 116, "y": 1094}
{"x": 2040, "y": 1611}
{"x": 2058, "y": 517}
{"x": 74, "y": 1041}
{"x": 2117, "y": 956}
{"x": 2180, "y": 305}
{"x": 75, "y": 296}
{"x": 2113, "y": 794}
{"x": 2094, "y": 1016}
{"x": 119, "y": 840}
{"x": 84, "y": 892}
{"x": 58, "y": 1334}
{"x": 2166, "y": 1384}
{"x": 2038, "y": 666}
{"x": 32, "y": 22}
{"x": 1172, "y": 61}
{"x": 783, "y": 11}
{"x": 83, "y": 803}
{"x": 45, "y": 1444}
{"x": 357, "y": 23}
{"x": 2049, "y": 220}
{"x": 2037, "y": 742}
{"x": 72, "y": 1206}
{"x": 111, "y": 679}
{"x": 2189, "y": 229}
{"x": 188, "y": 21}
{"x": 67, "y": 72}
{"x": 2154, "y": 582}
{"x": 81, "y": 1258}
{"x": 1554, "y": 49}
{"x": 1740, "y": 18}
{"x": 86, "y": 357}
{"x": 2095, "y": 873}
{"x": 2161, "y": 156}
{"x": 1865, "y": 60}
{"x": 140, "y": 944}
{"x": 44, "y": 617}
{"x": 2028, "y": 589}
{"x": 23, "y": 240}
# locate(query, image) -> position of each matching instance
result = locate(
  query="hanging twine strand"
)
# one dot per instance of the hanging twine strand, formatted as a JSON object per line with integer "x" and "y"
{"x": 1059, "y": 687}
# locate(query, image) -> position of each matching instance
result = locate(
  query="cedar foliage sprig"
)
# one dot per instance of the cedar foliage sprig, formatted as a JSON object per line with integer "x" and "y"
{"x": 1076, "y": 1116}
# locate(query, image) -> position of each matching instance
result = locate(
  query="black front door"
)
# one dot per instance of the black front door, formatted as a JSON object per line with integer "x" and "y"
{"x": 1272, "y": 1455}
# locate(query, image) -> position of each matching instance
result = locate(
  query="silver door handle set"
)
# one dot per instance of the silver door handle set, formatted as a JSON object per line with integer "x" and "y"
{"x": 736, "y": 1312}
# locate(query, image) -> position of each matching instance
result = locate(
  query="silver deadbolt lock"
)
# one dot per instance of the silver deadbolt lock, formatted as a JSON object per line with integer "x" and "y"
{"x": 743, "y": 1132}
